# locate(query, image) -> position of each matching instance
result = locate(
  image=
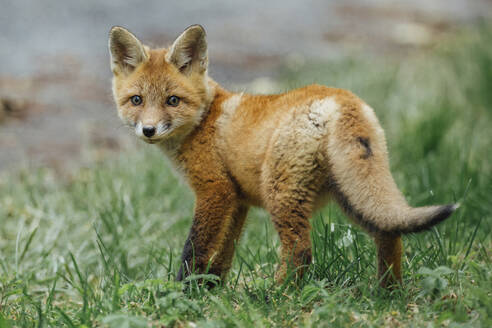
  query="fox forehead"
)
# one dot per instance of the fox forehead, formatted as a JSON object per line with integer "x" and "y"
{"x": 155, "y": 79}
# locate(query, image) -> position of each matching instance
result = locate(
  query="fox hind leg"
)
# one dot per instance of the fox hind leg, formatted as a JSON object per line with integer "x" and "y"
{"x": 294, "y": 232}
{"x": 389, "y": 253}
{"x": 290, "y": 203}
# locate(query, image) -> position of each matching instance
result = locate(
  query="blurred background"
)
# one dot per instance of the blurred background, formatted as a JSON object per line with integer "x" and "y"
{"x": 56, "y": 108}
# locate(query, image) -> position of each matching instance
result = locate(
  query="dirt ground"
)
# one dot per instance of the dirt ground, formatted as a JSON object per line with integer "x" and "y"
{"x": 55, "y": 97}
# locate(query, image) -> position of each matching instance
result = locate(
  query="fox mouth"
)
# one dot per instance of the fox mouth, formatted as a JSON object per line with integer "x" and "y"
{"x": 163, "y": 130}
{"x": 151, "y": 141}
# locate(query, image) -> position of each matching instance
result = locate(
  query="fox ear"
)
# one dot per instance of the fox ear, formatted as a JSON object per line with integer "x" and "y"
{"x": 127, "y": 52}
{"x": 189, "y": 52}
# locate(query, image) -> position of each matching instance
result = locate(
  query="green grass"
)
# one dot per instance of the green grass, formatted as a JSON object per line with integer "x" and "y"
{"x": 101, "y": 246}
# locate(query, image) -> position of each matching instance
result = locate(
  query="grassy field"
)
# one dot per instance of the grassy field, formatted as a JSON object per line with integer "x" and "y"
{"x": 101, "y": 246}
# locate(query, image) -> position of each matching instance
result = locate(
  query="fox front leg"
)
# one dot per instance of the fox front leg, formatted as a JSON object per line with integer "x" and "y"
{"x": 212, "y": 223}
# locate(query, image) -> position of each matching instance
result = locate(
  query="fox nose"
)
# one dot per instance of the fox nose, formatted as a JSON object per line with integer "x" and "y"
{"x": 148, "y": 131}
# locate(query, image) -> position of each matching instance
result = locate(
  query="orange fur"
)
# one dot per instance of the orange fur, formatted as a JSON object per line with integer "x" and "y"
{"x": 287, "y": 153}
{"x": 390, "y": 250}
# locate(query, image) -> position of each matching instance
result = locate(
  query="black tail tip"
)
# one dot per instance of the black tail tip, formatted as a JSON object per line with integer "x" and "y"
{"x": 445, "y": 211}
{"x": 441, "y": 214}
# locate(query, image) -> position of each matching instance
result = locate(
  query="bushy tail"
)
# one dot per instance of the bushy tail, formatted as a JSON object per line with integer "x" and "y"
{"x": 423, "y": 218}
{"x": 362, "y": 183}
{"x": 378, "y": 216}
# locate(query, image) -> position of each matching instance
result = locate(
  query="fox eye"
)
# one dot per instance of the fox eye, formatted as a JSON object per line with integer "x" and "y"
{"x": 173, "y": 101}
{"x": 136, "y": 100}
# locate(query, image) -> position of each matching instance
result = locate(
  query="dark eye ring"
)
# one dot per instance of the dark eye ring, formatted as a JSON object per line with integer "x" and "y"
{"x": 136, "y": 100}
{"x": 173, "y": 101}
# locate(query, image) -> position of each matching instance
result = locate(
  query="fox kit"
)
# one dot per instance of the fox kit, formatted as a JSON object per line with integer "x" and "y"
{"x": 289, "y": 153}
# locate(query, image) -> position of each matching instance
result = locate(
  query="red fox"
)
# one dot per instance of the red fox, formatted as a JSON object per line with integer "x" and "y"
{"x": 288, "y": 153}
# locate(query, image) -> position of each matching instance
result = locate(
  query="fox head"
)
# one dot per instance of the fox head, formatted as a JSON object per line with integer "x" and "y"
{"x": 160, "y": 93}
